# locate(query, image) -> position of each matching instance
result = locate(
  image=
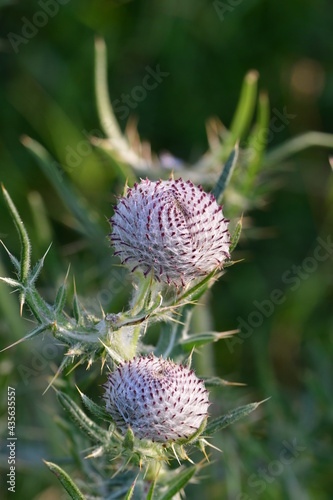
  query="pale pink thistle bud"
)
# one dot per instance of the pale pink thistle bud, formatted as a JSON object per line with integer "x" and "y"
{"x": 159, "y": 400}
{"x": 171, "y": 227}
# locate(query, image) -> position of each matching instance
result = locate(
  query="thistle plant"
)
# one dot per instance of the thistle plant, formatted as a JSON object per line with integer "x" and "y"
{"x": 155, "y": 407}
{"x": 174, "y": 239}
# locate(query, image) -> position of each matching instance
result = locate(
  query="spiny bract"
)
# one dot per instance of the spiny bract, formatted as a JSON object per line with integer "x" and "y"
{"x": 159, "y": 400}
{"x": 171, "y": 227}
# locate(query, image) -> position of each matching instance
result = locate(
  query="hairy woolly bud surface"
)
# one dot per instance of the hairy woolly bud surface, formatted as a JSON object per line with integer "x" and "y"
{"x": 157, "y": 398}
{"x": 171, "y": 227}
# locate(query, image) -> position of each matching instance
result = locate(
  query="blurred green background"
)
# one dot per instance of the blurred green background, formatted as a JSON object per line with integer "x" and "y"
{"x": 206, "y": 47}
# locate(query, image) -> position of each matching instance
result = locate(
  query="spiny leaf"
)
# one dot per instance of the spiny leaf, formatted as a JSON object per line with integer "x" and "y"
{"x": 11, "y": 282}
{"x": 142, "y": 293}
{"x": 95, "y": 409}
{"x": 40, "y": 309}
{"x": 34, "y": 333}
{"x": 231, "y": 417}
{"x": 60, "y": 300}
{"x": 198, "y": 339}
{"x": 112, "y": 353}
{"x": 24, "y": 238}
{"x": 131, "y": 490}
{"x": 66, "y": 481}
{"x": 219, "y": 382}
{"x": 87, "y": 426}
{"x": 77, "y": 311}
{"x": 236, "y": 235}
{"x": 13, "y": 259}
{"x": 128, "y": 442}
{"x": 151, "y": 489}
{"x": 194, "y": 436}
{"x": 38, "y": 267}
{"x": 118, "y": 321}
{"x": 226, "y": 174}
{"x": 61, "y": 295}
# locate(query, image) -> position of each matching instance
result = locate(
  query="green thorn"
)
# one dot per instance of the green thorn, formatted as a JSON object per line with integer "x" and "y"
{"x": 36, "y": 331}
{"x": 13, "y": 259}
{"x": 188, "y": 361}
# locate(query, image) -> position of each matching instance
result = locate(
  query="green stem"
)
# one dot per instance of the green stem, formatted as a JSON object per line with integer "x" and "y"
{"x": 104, "y": 108}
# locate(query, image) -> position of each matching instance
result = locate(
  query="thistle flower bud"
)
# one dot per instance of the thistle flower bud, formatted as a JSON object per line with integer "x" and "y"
{"x": 171, "y": 227}
{"x": 159, "y": 400}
